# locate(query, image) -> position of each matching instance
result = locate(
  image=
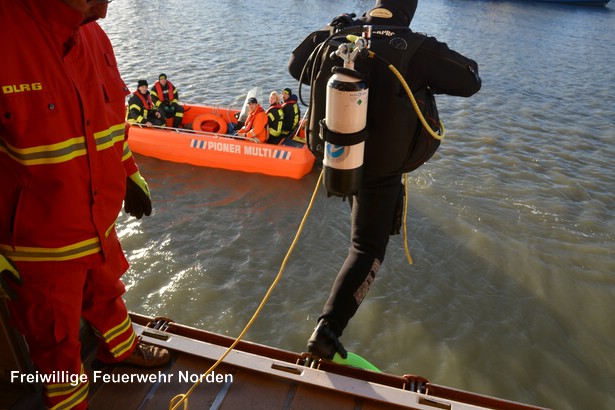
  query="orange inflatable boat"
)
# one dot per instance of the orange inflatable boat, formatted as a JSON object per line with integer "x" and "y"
{"x": 203, "y": 140}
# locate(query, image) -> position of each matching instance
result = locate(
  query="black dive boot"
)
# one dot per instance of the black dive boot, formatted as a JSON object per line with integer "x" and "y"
{"x": 324, "y": 342}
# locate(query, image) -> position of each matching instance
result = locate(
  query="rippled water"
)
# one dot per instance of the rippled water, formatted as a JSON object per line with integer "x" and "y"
{"x": 510, "y": 226}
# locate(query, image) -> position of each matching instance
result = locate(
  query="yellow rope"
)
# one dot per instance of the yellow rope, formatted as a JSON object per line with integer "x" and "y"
{"x": 416, "y": 106}
{"x": 183, "y": 398}
{"x": 401, "y": 79}
{"x": 430, "y": 131}
{"x": 405, "y": 217}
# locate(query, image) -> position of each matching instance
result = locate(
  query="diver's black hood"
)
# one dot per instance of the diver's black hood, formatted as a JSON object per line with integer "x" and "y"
{"x": 390, "y": 13}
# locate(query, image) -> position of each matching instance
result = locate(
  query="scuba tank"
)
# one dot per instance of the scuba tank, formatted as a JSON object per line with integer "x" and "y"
{"x": 410, "y": 145}
{"x": 344, "y": 126}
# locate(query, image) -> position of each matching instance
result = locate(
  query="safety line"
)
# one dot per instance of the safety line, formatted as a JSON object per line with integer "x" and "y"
{"x": 405, "y": 218}
{"x": 183, "y": 398}
{"x": 401, "y": 79}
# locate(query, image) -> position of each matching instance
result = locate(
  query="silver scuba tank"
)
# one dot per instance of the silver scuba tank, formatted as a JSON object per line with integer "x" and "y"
{"x": 345, "y": 133}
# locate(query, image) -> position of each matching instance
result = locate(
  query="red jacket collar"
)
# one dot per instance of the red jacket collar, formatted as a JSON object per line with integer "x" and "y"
{"x": 59, "y": 20}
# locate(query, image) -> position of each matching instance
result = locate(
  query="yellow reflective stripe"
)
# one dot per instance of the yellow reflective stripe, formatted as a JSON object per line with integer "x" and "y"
{"x": 120, "y": 349}
{"x": 117, "y": 331}
{"x": 34, "y": 254}
{"x": 110, "y": 137}
{"x": 62, "y": 151}
{"x": 137, "y": 120}
{"x": 75, "y": 399}
{"x": 108, "y": 231}
{"x": 114, "y": 332}
{"x": 127, "y": 152}
{"x": 61, "y": 389}
{"x": 46, "y": 154}
{"x": 275, "y": 132}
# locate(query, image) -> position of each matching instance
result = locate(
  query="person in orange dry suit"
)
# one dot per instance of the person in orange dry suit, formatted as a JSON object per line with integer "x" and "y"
{"x": 256, "y": 123}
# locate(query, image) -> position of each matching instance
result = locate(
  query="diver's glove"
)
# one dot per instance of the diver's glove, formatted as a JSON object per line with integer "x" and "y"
{"x": 343, "y": 20}
{"x": 324, "y": 342}
{"x": 8, "y": 270}
{"x": 138, "y": 200}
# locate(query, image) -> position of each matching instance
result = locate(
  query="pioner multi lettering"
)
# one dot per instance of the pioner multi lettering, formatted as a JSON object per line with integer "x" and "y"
{"x": 261, "y": 150}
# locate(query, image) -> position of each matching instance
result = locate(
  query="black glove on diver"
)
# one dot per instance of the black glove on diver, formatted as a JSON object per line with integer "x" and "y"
{"x": 343, "y": 20}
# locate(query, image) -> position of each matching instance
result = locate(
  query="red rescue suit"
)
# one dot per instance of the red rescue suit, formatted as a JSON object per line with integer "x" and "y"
{"x": 63, "y": 167}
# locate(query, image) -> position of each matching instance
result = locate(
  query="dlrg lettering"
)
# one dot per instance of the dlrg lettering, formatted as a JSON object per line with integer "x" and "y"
{"x": 19, "y": 88}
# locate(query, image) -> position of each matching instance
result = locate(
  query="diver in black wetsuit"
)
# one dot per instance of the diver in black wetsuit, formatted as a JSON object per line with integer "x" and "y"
{"x": 428, "y": 66}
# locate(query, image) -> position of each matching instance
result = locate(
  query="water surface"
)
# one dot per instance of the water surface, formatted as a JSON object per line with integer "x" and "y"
{"x": 510, "y": 225}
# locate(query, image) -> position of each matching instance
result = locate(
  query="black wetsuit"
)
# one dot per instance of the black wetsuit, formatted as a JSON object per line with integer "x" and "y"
{"x": 392, "y": 122}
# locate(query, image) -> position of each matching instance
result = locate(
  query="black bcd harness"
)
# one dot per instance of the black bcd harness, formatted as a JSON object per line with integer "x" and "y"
{"x": 397, "y": 140}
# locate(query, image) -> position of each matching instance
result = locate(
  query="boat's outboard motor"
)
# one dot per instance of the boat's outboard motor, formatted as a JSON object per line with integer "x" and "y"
{"x": 344, "y": 127}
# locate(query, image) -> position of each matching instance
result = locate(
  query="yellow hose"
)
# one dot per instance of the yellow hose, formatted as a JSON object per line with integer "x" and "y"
{"x": 403, "y": 82}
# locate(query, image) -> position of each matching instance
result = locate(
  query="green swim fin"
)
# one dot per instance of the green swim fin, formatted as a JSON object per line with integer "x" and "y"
{"x": 354, "y": 360}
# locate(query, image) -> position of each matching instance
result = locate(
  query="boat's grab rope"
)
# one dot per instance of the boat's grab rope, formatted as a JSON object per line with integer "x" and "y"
{"x": 197, "y": 132}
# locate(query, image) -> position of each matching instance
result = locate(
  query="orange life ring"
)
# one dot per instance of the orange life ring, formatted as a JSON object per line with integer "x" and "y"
{"x": 210, "y": 123}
